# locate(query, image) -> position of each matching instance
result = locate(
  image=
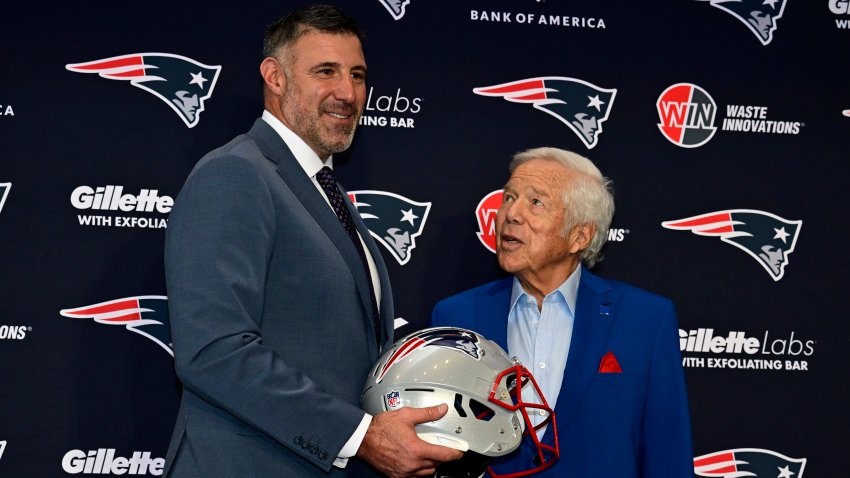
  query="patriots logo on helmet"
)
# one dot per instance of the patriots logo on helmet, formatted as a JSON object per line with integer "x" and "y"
{"x": 759, "y": 16}
{"x": 461, "y": 340}
{"x": 182, "y": 83}
{"x": 395, "y": 7}
{"x": 767, "y": 238}
{"x": 393, "y": 220}
{"x": 749, "y": 462}
{"x": 4, "y": 192}
{"x": 580, "y": 105}
{"x": 145, "y": 315}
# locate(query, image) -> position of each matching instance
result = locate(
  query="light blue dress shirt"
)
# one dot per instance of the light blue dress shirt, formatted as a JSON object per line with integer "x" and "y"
{"x": 540, "y": 339}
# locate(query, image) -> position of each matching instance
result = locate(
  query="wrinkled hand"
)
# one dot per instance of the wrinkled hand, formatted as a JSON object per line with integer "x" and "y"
{"x": 392, "y": 447}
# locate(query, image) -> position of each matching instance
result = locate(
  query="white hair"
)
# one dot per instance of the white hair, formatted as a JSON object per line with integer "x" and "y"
{"x": 588, "y": 198}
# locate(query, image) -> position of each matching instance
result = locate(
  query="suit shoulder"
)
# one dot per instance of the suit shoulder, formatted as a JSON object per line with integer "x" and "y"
{"x": 240, "y": 152}
{"x": 237, "y": 164}
{"x": 631, "y": 292}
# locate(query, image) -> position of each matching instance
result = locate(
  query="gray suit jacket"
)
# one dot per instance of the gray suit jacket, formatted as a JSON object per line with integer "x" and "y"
{"x": 270, "y": 318}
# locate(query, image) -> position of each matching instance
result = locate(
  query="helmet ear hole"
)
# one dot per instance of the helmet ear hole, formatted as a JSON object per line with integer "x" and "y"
{"x": 459, "y": 405}
{"x": 481, "y": 411}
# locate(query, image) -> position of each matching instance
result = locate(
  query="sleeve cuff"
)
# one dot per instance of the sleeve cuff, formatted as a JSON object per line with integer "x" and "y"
{"x": 353, "y": 443}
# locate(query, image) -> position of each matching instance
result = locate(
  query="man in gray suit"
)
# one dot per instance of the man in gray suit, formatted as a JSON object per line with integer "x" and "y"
{"x": 278, "y": 310}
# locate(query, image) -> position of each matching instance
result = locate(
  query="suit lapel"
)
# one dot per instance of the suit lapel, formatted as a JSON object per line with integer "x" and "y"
{"x": 591, "y": 329}
{"x": 275, "y": 149}
{"x": 491, "y": 311}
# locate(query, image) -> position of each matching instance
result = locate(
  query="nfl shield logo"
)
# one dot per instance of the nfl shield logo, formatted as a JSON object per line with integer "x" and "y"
{"x": 393, "y": 400}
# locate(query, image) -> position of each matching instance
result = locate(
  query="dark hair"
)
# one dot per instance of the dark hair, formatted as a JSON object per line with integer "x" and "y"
{"x": 322, "y": 18}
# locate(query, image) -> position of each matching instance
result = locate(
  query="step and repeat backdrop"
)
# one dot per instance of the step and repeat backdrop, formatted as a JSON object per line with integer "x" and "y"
{"x": 724, "y": 124}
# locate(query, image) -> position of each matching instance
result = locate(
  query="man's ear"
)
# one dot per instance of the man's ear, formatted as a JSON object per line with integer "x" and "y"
{"x": 272, "y": 73}
{"x": 580, "y": 237}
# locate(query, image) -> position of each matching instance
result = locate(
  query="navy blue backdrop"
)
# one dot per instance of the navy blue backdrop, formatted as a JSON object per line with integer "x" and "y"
{"x": 723, "y": 124}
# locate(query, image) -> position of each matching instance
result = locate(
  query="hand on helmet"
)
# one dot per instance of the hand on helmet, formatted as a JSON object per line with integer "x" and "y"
{"x": 392, "y": 447}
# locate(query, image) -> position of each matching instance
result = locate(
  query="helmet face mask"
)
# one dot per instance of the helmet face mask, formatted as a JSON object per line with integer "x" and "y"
{"x": 474, "y": 377}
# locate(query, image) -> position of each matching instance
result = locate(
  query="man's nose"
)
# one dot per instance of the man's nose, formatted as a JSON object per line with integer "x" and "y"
{"x": 346, "y": 90}
{"x": 512, "y": 212}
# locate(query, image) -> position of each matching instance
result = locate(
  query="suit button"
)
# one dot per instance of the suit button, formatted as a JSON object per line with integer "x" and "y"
{"x": 314, "y": 450}
{"x": 323, "y": 455}
{"x": 297, "y": 440}
{"x": 306, "y": 445}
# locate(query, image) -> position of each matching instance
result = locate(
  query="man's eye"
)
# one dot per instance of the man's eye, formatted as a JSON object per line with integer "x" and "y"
{"x": 358, "y": 77}
{"x": 537, "y": 202}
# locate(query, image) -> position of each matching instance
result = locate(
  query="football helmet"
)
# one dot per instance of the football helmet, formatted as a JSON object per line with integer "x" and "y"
{"x": 482, "y": 386}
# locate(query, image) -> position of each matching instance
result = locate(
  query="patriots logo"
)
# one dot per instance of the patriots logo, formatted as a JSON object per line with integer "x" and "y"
{"x": 755, "y": 462}
{"x": 580, "y": 105}
{"x": 182, "y": 83}
{"x": 395, "y": 7}
{"x": 4, "y": 191}
{"x": 393, "y": 220}
{"x": 767, "y": 238}
{"x": 759, "y": 16}
{"x": 145, "y": 315}
{"x": 462, "y": 340}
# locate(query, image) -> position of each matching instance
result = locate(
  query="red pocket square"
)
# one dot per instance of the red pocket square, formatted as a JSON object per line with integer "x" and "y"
{"x": 609, "y": 364}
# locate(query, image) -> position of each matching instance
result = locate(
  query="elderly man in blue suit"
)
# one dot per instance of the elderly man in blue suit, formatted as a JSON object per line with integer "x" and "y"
{"x": 278, "y": 296}
{"x": 606, "y": 354}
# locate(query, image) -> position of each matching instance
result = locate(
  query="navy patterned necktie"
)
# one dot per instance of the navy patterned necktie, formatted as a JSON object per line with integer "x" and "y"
{"x": 327, "y": 181}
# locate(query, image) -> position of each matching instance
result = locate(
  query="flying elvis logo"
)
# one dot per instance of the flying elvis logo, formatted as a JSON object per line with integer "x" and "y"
{"x": 766, "y": 237}
{"x": 393, "y": 220}
{"x": 748, "y": 462}
{"x": 759, "y": 16}
{"x": 448, "y": 337}
{"x": 182, "y": 83}
{"x": 145, "y": 315}
{"x": 580, "y": 105}
{"x": 395, "y": 7}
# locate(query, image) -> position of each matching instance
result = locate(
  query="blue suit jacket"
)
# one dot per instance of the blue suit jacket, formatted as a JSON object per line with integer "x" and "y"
{"x": 270, "y": 316}
{"x": 610, "y": 425}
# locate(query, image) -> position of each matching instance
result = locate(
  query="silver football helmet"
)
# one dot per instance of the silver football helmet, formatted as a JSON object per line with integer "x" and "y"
{"x": 479, "y": 382}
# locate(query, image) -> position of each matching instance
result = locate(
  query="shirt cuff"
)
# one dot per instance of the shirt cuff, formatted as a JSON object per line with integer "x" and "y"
{"x": 353, "y": 443}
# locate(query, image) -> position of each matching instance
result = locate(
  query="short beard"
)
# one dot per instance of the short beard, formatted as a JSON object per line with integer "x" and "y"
{"x": 339, "y": 142}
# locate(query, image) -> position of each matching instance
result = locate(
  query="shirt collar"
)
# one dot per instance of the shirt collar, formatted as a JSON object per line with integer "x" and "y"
{"x": 568, "y": 290}
{"x": 304, "y": 154}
